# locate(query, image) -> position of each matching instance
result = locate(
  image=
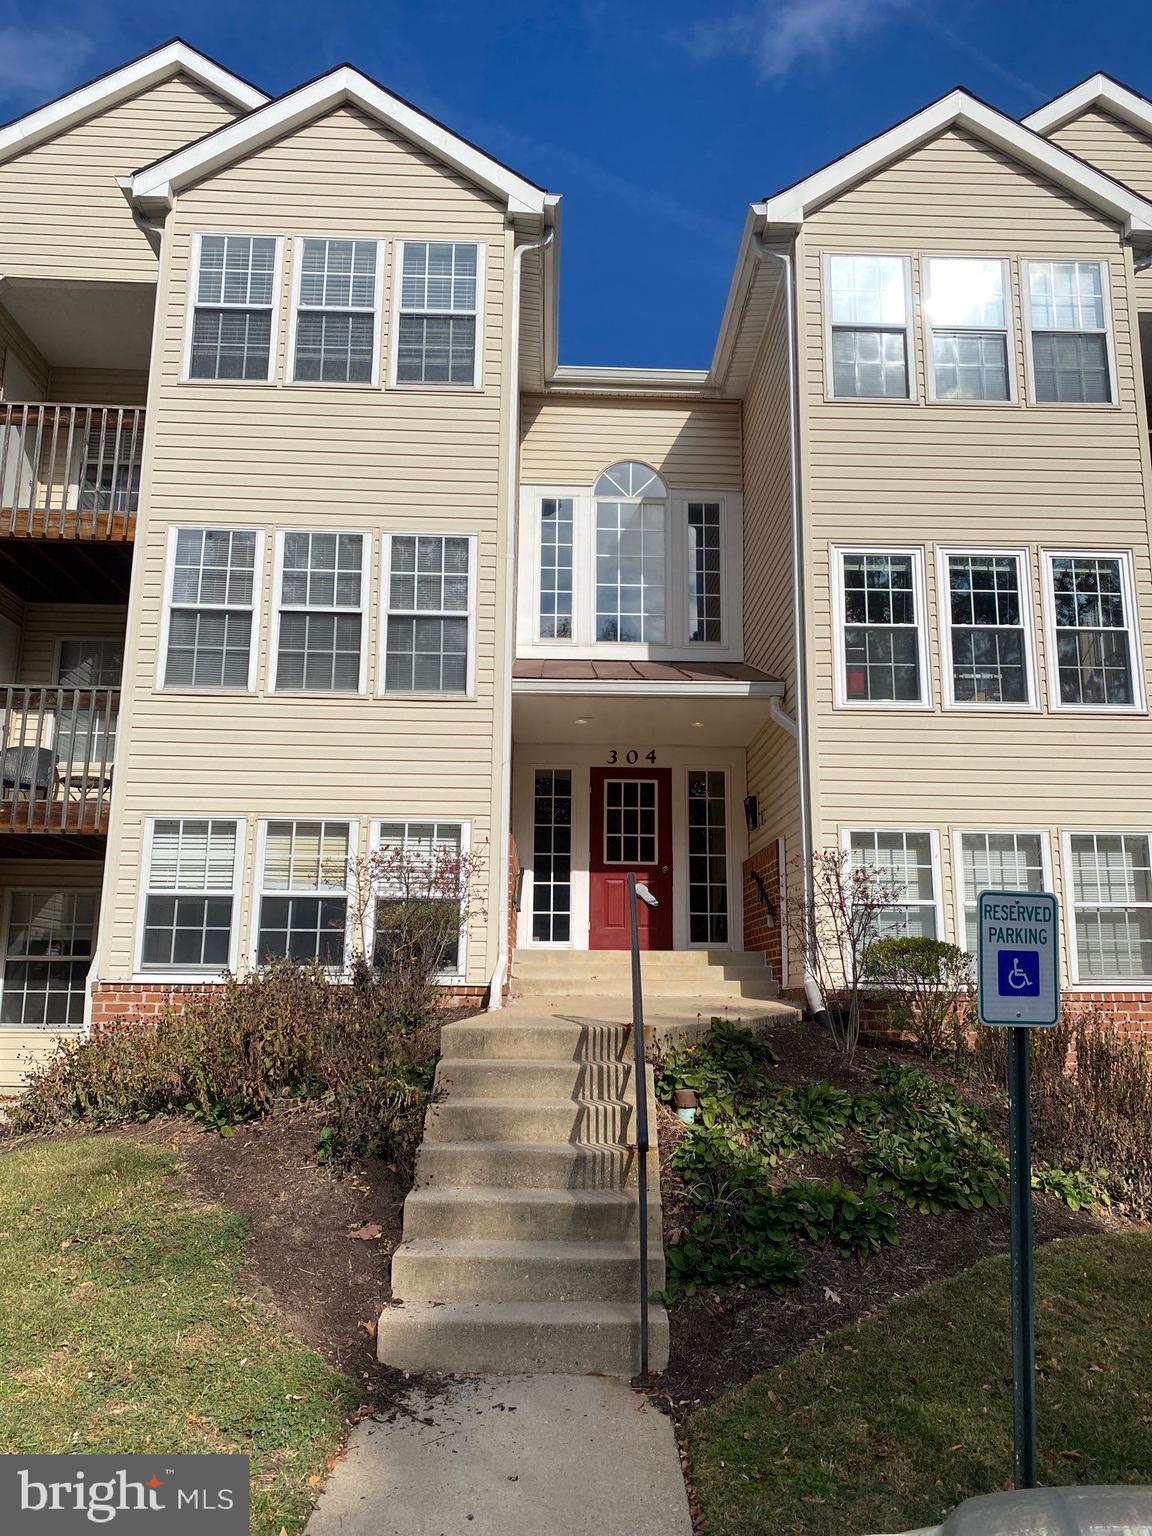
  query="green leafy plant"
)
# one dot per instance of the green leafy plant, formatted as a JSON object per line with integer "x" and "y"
{"x": 929, "y": 983}
{"x": 1079, "y": 1191}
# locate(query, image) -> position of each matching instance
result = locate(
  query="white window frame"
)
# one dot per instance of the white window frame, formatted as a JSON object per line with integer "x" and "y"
{"x": 919, "y": 597}
{"x": 177, "y": 974}
{"x": 937, "y": 902}
{"x": 275, "y": 308}
{"x": 166, "y": 612}
{"x": 830, "y": 395}
{"x": 1005, "y": 265}
{"x": 1113, "y": 402}
{"x": 6, "y": 934}
{"x": 446, "y": 978}
{"x": 363, "y": 610}
{"x": 1020, "y": 554}
{"x": 397, "y": 309}
{"x": 1093, "y": 983}
{"x": 373, "y": 382}
{"x": 334, "y": 973}
{"x": 1135, "y": 651}
{"x": 86, "y": 638}
{"x": 958, "y": 836}
{"x": 382, "y": 691}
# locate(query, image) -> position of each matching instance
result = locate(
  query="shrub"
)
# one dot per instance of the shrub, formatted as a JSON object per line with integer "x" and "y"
{"x": 930, "y": 983}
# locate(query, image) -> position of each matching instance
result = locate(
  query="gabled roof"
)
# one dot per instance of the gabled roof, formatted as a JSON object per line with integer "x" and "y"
{"x": 173, "y": 58}
{"x": 155, "y": 185}
{"x": 1097, "y": 91}
{"x": 789, "y": 209}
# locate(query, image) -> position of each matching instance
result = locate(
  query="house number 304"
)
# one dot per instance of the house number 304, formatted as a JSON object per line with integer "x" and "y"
{"x": 632, "y": 755}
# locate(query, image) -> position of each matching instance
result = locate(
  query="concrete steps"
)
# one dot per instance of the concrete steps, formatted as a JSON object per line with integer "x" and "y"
{"x": 720, "y": 974}
{"x": 521, "y": 1235}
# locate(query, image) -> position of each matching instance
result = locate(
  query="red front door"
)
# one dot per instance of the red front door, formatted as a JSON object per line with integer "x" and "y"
{"x": 631, "y": 833}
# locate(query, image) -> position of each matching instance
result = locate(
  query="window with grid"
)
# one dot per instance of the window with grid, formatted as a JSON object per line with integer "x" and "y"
{"x": 110, "y": 472}
{"x": 707, "y": 858}
{"x": 986, "y": 635}
{"x": 439, "y": 309}
{"x": 210, "y": 618}
{"x": 303, "y": 894}
{"x": 967, "y": 313}
{"x": 428, "y": 597}
{"x": 189, "y": 902}
{"x": 234, "y": 309}
{"x": 1068, "y": 331}
{"x": 336, "y": 312}
{"x": 630, "y": 576}
{"x": 997, "y": 861}
{"x": 91, "y": 662}
{"x": 436, "y": 845}
{"x": 1112, "y": 906}
{"x": 705, "y": 574}
{"x": 868, "y": 326}
{"x": 904, "y": 860}
{"x": 631, "y": 825}
{"x": 556, "y": 545}
{"x": 1094, "y": 660}
{"x": 881, "y": 639}
{"x": 552, "y": 856}
{"x": 321, "y": 626}
{"x": 47, "y": 957}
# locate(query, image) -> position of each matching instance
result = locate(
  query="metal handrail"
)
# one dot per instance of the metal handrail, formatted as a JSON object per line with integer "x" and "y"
{"x": 636, "y": 893}
{"x": 70, "y": 471}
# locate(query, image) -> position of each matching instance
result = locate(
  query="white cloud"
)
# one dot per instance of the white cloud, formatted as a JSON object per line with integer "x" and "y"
{"x": 38, "y": 63}
{"x": 777, "y": 34}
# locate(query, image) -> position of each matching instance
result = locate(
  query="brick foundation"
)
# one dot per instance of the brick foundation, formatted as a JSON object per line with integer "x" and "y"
{"x": 760, "y": 931}
{"x": 513, "y": 911}
{"x": 143, "y": 1002}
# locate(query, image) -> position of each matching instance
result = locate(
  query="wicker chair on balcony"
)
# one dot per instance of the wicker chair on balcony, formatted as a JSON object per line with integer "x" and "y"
{"x": 29, "y": 773}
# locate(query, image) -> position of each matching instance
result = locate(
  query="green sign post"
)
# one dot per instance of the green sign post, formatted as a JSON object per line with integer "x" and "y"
{"x": 1019, "y": 988}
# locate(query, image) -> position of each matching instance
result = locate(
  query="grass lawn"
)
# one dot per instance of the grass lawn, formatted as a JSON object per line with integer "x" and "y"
{"x": 124, "y": 1327}
{"x": 888, "y": 1424}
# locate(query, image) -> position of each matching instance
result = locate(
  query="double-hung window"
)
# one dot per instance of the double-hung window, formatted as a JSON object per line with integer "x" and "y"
{"x": 429, "y": 598}
{"x": 236, "y": 286}
{"x": 881, "y": 642}
{"x": 416, "y": 903}
{"x": 1067, "y": 308}
{"x": 1111, "y": 878}
{"x": 906, "y": 862}
{"x": 1092, "y": 614}
{"x": 337, "y": 312}
{"x": 998, "y": 861}
{"x": 987, "y": 648}
{"x": 868, "y": 307}
{"x": 302, "y": 898}
{"x": 92, "y": 662}
{"x": 967, "y": 302}
{"x": 47, "y": 956}
{"x": 212, "y": 597}
{"x": 190, "y": 877}
{"x": 438, "y": 327}
{"x": 320, "y": 630}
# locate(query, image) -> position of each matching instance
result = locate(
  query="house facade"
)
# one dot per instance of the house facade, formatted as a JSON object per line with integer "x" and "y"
{"x": 309, "y": 546}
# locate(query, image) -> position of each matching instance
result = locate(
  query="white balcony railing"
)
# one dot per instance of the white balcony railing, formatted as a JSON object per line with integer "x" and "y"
{"x": 70, "y": 471}
{"x": 58, "y": 747}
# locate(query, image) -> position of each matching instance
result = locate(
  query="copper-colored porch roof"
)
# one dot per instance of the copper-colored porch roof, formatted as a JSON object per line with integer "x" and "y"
{"x": 574, "y": 671}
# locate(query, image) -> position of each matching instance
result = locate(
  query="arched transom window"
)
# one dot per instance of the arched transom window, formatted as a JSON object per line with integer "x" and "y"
{"x": 631, "y": 514}
{"x": 633, "y": 482}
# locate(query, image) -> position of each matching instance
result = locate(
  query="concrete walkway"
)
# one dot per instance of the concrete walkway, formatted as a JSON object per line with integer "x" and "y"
{"x": 510, "y": 1456}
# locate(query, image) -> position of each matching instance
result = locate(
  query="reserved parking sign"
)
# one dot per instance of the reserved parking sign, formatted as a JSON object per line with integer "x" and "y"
{"x": 1018, "y": 938}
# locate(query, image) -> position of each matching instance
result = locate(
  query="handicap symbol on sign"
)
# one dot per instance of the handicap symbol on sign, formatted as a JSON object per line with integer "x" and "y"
{"x": 1018, "y": 972}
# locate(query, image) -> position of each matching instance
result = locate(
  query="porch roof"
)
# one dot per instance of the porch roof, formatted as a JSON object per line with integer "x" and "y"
{"x": 651, "y": 678}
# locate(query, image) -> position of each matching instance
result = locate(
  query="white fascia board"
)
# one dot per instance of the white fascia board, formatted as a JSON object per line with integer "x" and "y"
{"x": 770, "y": 688}
{"x": 790, "y": 207}
{"x": 592, "y": 379}
{"x": 156, "y": 184}
{"x": 1096, "y": 91}
{"x": 111, "y": 89}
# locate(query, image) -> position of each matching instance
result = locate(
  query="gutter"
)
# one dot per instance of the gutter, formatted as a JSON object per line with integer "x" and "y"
{"x": 512, "y": 481}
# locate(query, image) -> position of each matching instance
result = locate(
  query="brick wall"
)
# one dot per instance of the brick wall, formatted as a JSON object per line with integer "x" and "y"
{"x": 513, "y": 914}
{"x": 760, "y": 932}
{"x": 144, "y": 1001}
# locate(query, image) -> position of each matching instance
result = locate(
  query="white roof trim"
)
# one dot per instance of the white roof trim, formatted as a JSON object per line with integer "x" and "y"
{"x": 129, "y": 80}
{"x": 1096, "y": 91}
{"x": 593, "y": 379}
{"x": 789, "y": 208}
{"x": 157, "y": 184}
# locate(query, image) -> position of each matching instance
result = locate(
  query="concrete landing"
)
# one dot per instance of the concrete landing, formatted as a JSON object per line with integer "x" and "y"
{"x": 668, "y": 1021}
{"x": 510, "y": 1456}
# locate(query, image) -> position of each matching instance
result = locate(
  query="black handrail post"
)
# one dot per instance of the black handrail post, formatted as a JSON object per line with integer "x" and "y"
{"x": 641, "y": 1116}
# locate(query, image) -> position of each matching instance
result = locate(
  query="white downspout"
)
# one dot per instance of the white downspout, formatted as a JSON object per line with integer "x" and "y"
{"x": 512, "y": 482}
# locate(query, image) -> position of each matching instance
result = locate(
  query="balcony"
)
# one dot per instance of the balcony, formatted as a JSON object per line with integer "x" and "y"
{"x": 70, "y": 472}
{"x": 56, "y": 762}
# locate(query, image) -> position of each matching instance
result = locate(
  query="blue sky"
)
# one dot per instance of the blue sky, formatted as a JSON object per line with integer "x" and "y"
{"x": 659, "y": 121}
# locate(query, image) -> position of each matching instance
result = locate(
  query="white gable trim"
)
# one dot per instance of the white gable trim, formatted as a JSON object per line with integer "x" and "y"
{"x": 129, "y": 80}
{"x": 1096, "y": 91}
{"x": 157, "y": 184}
{"x": 789, "y": 209}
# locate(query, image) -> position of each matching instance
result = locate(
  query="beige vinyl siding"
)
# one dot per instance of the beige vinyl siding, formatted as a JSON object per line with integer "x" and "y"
{"x": 98, "y": 386}
{"x": 62, "y": 214}
{"x": 568, "y": 440}
{"x": 46, "y": 624}
{"x": 21, "y": 1049}
{"x": 1118, "y": 149}
{"x": 955, "y": 475}
{"x": 16, "y": 344}
{"x": 281, "y": 456}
